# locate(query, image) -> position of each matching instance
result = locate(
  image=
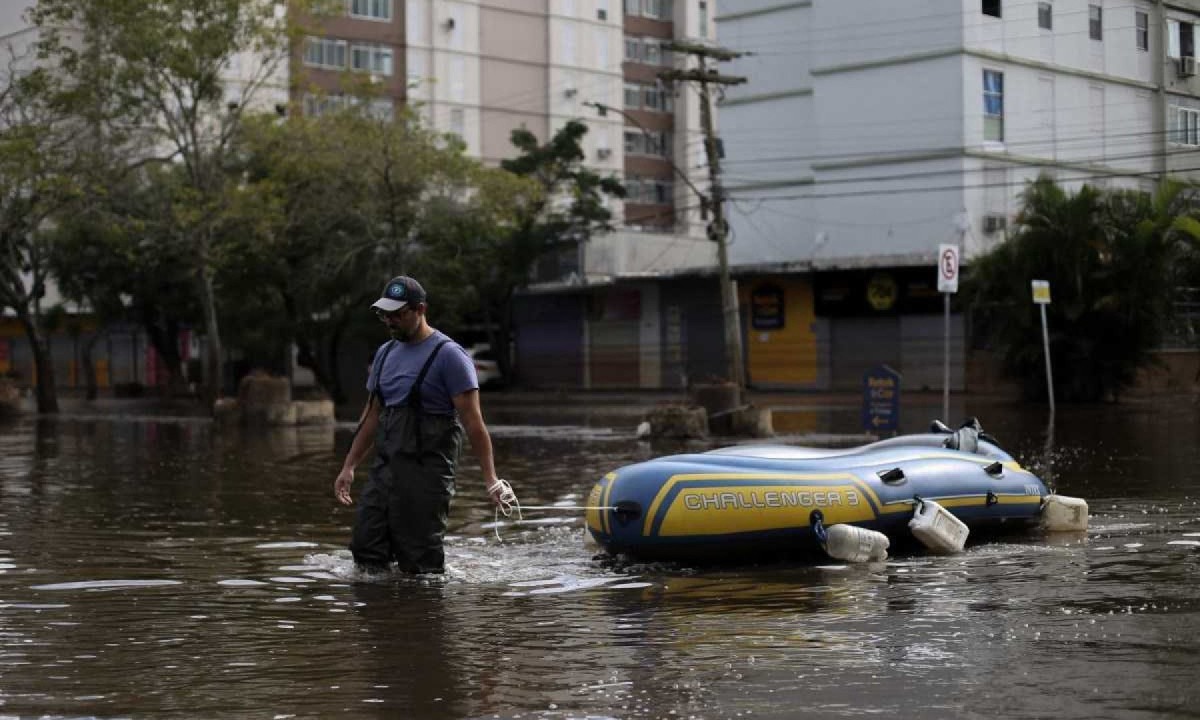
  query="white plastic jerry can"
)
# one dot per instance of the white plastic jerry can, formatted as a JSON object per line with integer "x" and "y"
{"x": 1064, "y": 514}
{"x": 855, "y": 544}
{"x": 937, "y": 528}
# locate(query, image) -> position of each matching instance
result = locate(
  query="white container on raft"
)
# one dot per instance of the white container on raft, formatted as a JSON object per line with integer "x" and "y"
{"x": 855, "y": 544}
{"x": 937, "y": 528}
{"x": 1064, "y": 514}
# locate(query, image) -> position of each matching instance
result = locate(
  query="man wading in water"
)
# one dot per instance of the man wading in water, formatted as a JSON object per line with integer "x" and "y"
{"x": 422, "y": 385}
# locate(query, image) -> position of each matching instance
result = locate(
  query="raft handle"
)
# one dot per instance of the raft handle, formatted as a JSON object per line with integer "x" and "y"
{"x": 894, "y": 475}
{"x": 816, "y": 520}
{"x": 627, "y": 511}
{"x": 996, "y": 469}
{"x": 992, "y": 499}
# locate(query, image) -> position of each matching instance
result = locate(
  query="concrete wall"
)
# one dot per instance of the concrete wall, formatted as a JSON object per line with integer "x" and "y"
{"x": 860, "y": 136}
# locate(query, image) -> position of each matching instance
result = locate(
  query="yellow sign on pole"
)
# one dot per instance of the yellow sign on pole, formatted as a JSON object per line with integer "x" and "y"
{"x": 1041, "y": 292}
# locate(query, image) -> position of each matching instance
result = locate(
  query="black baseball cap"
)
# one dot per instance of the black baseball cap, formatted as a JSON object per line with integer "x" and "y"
{"x": 398, "y": 293}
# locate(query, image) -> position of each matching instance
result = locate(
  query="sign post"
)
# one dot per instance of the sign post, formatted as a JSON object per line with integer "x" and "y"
{"x": 947, "y": 285}
{"x": 881, "y": 400}
{"x": 1041, "y": 297}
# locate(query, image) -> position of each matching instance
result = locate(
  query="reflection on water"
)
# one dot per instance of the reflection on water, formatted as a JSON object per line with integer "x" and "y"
{"x": 161, "y": 568}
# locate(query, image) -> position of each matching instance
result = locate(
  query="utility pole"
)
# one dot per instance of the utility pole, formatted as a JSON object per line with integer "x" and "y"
{"x": 718, "y": 228}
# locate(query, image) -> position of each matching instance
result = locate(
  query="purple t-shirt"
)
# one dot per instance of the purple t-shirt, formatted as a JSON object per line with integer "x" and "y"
{"x": 451, "y": 373}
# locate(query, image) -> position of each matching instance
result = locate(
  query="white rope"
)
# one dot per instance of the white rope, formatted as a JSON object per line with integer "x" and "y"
{"x": 508, "y": 501}
{"x": 569, "y": 507}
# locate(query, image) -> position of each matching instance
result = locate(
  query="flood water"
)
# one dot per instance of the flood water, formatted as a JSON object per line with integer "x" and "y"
{"x": 157, "y": 567}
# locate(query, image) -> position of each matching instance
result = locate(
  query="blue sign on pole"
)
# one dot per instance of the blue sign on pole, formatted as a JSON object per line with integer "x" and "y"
{"x": 881, "y": 400}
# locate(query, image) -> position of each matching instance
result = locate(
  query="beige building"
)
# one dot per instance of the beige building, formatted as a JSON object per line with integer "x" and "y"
{"x": 481, "y": 68}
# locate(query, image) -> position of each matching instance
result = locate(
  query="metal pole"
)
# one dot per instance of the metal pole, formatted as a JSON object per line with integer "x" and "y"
{"x": 1046, "y": 349}
{"x": 946, "y": 364}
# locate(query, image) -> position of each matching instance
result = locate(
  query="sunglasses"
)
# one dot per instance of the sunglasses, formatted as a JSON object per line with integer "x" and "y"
{"x": 385, "y": 315}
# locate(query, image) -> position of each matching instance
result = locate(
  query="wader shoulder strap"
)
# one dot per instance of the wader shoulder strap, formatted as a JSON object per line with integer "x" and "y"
{"x": 413, "y": 400}
{"x": 375, "y": 391}
{"x": 414, "y": 394}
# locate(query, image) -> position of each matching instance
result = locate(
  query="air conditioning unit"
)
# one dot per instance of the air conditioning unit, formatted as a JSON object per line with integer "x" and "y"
{"x": 570, "y": 92}
{"x": 1187, "y": 66}
{"x": 994, "y": 223}
{"x": 604, "y": 153}
{"x": 601, "y": 14}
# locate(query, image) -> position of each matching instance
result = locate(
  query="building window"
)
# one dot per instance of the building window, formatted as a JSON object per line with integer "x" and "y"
{"x": 703, "y": 19}
{"x": 379, "y": 108}
{"x": 657, "y": 9}
{"x": 1045, "y": 16}
{"x": 656, "y": 98}
{"x": 663, "y": 192}
{"x": 325, "y": 52}
{"x": 659, "y": 143}
{"x": 655, "y": 143}
{"x": 633, "y": 49}
{"x": 633, "y": 7}
{"x": 1141, "y": 22}
{"x": 456, "y": 121}
{"x": 1184, "y": 126}
{"x": 993, "y": 105}
{"x": 371, "y": 9}
{"x": 635, "y": 142}
{"x": 646, "y": 50}
{"x": 382, "y": 109}
{"x": 1180, "y": 39}
{"x": 1095, "y": 22}
{"x": 991, "y": 7}
{"x": 375, "y": 59}
{"x": 649, "y": 191}
{"x": 633, "y": 96}
{"x": 317, "y": 105}
{"x": 651, "y": 52}
{"x": 633, "y": 189}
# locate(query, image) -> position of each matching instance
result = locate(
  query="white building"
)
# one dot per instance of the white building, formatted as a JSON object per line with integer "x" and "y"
{"x": 482, "y": 68}
{"x": 871, "y": 131}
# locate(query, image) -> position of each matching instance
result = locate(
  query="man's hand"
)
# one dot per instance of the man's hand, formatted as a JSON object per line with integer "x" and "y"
{"x": 495, "y": 489}
{"x": 502, "y": 495}
{"x": 341, "y": 486}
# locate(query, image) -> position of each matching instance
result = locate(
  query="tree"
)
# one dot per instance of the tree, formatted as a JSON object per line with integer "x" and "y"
{"x": 152, "y": 78}
{"x": 114, "y": 255}
{"x": 36, "y": 161}
{"x": 566, "y": 213}
{"x": 1111, "y": 262}
{"x": 343, "y": 202}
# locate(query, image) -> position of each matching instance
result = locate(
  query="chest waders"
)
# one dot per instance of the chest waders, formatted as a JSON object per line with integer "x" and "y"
{"x": 403, "y": 509}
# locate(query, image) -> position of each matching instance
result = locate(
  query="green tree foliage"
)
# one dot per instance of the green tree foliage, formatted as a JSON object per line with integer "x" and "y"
{"x": 151, "y": 79}
{"x": 563, "y": 216}
{"x": 37, "y": 166}
{"x": 1112, "y": 261}
{"x": 117, "y": 254}
{"x": 343, "y": 202}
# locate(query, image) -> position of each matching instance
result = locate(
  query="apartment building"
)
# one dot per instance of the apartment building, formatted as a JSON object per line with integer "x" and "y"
{"x": 873, "y": 131}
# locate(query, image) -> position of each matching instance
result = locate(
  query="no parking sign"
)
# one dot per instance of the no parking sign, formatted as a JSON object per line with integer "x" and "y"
{"x": 948, "y": 268}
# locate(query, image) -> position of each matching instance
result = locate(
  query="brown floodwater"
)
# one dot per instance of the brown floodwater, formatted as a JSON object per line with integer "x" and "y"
{"x": 154, "y": 566}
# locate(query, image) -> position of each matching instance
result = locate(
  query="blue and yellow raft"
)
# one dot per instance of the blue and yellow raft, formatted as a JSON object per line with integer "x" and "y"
{"x": 768, "y": 500}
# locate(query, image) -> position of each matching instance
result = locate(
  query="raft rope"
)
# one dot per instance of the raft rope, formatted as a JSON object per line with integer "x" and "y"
{"x": 509, "y": 502}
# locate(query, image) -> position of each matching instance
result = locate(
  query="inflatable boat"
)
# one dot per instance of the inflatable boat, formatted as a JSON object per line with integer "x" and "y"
{"x": 767, "y": 500}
